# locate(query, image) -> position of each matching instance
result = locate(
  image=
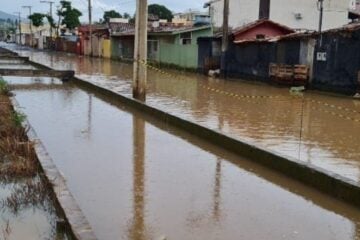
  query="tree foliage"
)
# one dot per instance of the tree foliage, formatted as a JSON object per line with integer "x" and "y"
{"x": 37, "y": 19}
{"x": 70, "y": 16}
{"x": 161, "y": 11}
{"x": 127, "y": 15}
{"x": 111, "y": 14}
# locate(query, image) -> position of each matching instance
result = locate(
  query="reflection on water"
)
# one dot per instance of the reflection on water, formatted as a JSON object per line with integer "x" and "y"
{"x": 136, "y": 178}
{"x": 328, "y": 126}
{"x": 137, "y": 227}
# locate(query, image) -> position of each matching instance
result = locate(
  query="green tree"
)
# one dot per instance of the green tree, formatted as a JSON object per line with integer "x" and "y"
{"x": 51, "y": 21}
{"x": 161, "y": 11}
{"x": 69, "y": 15}
{"x": 37, "y": 19}
{"x": 110, "y": 14}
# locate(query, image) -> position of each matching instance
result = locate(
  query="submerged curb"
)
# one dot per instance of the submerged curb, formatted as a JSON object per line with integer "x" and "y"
{"x": 330, "y": 183}
{"x": 80, "y": 227}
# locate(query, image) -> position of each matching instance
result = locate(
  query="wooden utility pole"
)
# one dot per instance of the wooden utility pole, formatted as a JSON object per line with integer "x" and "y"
{"x": 90, "y": 28}
{"x": 140, "y": 53}
{"x": 321, "y": 9}
{"x": 51, "y": 15}
{"x": 225, "y": 37}
{"x": 19, "y": 22}
{"x": 31, "y": 32}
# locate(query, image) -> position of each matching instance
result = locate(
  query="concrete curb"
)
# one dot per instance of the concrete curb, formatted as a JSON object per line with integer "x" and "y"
{"x": 321, "y": 179}
{"x": 79, "y": 225}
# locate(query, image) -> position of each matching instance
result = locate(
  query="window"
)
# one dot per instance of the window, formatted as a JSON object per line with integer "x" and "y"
{"x": 185, "y": 38}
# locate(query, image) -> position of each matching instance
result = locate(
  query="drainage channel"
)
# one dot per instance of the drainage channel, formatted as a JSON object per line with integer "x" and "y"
{"x": 135, "y": 177}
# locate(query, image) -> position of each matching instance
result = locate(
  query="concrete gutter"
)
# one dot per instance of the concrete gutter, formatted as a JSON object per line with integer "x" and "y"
{"x": 330, "y": 183}
{"x": 65, "y": 75}
{"x": 80, "y": 227}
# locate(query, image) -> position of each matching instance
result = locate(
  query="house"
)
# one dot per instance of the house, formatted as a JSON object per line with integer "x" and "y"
{"x": 167, "y": 44}
{"x": 296, "y": 14}
{"x": 260, "y": 29}
{"x": 254, "y": 32}
{"x": 37, "y": 38}
{"x": 99, "y": 45}
{"x": 190, "y": 18}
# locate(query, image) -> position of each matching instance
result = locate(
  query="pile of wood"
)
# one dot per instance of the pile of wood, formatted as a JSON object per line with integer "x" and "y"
{"x": 294, "y": 75}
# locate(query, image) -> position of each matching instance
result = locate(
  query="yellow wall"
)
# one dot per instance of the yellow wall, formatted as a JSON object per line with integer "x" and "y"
{"x": 106, "y": 48}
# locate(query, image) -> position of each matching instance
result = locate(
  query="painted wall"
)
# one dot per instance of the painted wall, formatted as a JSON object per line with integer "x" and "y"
{"x": 285, "y": 11}
{"x": 106, "y": 48}
{"x": 339, "y": 72}
{"x": 181, "y": 55}
{"x": 122, "y": 47}
{"x": 186, "y": 56}
{"x": 266, "y": 29}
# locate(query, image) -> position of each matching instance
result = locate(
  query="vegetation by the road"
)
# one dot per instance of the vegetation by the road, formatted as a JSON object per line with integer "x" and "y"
{"x": 17, "y": 156}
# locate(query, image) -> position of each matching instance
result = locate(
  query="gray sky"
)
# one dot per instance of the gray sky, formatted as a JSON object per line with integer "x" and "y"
{"x": 99, "y": 6}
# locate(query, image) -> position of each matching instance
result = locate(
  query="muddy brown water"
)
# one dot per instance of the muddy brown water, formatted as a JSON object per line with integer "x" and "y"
{"x": 27, "y": 220}
{"x": 137, "y": 178}
{"x": 319, "y": 129}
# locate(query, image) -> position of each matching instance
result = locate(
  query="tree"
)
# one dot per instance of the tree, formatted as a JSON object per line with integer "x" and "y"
{"x": 70, "y": 16}
{"x": 126, "y": 15}
{"x": 161, "y": 11}
{"x": 37, "y": 19}
{"x": 110, "y": 14}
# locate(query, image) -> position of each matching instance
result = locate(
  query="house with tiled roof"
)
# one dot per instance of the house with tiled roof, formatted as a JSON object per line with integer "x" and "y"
{"x": 168, "y": 44}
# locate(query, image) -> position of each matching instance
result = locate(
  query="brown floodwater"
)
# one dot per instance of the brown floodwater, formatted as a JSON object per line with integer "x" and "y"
{"x": 26, "y": 213}
{"x": 311, "y": 127}
{"x": 137, "y": 178}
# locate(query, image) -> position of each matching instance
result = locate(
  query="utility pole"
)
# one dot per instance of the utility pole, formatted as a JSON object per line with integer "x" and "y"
{"x": 225, "y": 37}
{"x": 51, "y": 15}
{"x": 19, "y": 22}
{"x": 140, "y": 53}
{"x": 31, "y": 32}
{"x": 90, "y": 28}
{"x": 321, "y": 9}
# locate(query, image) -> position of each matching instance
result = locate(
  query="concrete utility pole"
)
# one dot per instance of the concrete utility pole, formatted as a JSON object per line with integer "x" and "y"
{"x": 19, "y": 22}
{"x": 140, "y": 53}
{"x": 225, "y": 37}
{"x": 321, "y": 9}
{"x": 90, "y": 28}
{"x": 31, "y": 32}
{"x": 51, "y": 15}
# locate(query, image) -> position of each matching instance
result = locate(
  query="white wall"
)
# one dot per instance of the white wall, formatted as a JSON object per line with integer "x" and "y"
{"x": 335, "y": 13}
{"x": 283, "y": 11}
{"x": 241, "y": 12}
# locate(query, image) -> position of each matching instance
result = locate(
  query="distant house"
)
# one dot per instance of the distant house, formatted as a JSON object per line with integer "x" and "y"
{"x": 167, "y": 44}
{"x": 100, "y": 40}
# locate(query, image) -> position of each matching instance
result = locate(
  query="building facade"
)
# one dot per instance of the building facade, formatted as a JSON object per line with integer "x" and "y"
{"x": 296, "y": 14}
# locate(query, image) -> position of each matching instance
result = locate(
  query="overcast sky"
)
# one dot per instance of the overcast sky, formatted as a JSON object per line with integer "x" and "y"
{"x": 99, "y": 6}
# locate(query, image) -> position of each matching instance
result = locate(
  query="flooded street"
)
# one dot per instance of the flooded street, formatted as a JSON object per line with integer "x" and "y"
{"x": 137, "y": 178}
{"x": 319, "y": 129}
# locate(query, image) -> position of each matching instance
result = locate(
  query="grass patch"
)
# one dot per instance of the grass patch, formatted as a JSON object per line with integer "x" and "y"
{"x": 4, "y": 87}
